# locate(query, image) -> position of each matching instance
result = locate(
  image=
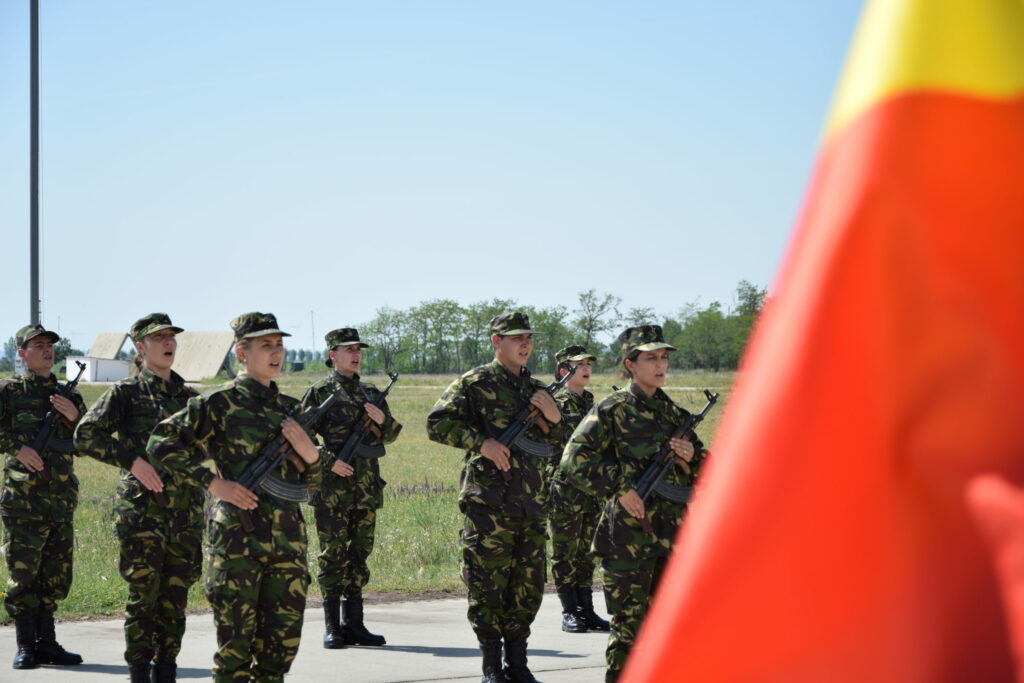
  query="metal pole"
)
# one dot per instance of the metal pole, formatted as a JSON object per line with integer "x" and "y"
{"x": 34, "y": 166}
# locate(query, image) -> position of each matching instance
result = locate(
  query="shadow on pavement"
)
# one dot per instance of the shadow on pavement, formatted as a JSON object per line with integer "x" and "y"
{"x": 463, "y": 651}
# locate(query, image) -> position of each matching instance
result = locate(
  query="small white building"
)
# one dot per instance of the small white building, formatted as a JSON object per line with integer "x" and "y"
{"x": 99, "y": 369}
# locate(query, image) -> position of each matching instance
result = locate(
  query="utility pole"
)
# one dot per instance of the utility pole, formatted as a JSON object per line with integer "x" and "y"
{"x": 34, "y": 304}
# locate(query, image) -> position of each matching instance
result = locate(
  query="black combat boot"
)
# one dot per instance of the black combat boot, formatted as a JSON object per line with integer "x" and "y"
{"x": 139, "y": 671}
{"x": 493, "y": 673}
{"x": 516, "y": 670}
{"x": 164, "y": 671}
{"x": 333, "y": 637}
{"x": 352, "y": 624}
{"x": 585, "y": 600}
{"x": 25, "y": 635}
{"x": 48, "y": 650}
{"x": 572, "y": 621}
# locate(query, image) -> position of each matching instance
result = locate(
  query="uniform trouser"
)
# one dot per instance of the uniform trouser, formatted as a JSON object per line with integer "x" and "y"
{"x": 503, "y": 565}
{"x": 346, "y": 541}
{"x": 160, "y": 560}
{"x": 572, "y": 517}
{"x": 39, "y": 564}
{"x": 629, "y": 586}
{"x": 258, "y": 604}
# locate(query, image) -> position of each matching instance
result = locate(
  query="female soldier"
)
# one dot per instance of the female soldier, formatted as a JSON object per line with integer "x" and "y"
{"x": 160, "y": 541}
{"x": 256, "y": 581}
{"x": 350, "y": 495}
{"x": 606, "y": 455}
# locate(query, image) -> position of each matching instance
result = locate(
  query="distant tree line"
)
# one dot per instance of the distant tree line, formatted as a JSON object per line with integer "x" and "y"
{"x": 442, "y": 336}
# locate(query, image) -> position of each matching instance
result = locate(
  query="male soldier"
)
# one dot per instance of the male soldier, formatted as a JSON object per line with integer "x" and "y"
{"x": 38, "y": 501}
{"x": 573, "y": 514}
{"x": 502, "y": 496}
{"x": 350, "y": 494}
{"x": 161, "y": 540}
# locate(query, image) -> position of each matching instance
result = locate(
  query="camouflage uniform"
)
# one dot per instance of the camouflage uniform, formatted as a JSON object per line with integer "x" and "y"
{"x": 37, "y": 508}
{"x": 346, "y": 507}
{"x": 503, "y": 553}
{"x": 160, "y": 546}
{"x": 256, "y": 582}
{"x": 604, "y": 458}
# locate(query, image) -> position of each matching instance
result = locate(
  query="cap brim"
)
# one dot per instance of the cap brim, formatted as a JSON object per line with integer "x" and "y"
{"x": 54, "y": 337}
{"x": 582, "y": 356}
{"x": 514, "y": 332}
{"x": 264, "y": 333}
{"x": 362, "y": 345}
{"x": 654, "y": 346}
{"x": 161, "y": 328}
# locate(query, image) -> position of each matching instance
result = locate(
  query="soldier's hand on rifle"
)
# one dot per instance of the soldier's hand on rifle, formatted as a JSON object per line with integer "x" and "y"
{"x": 632, "y": 503}
{"x": 30, "y": 459}
{"x": 682, "y": 448}
{"x": 496, "y": 453}
{"x": 299, "y": 440}
{"x": 342, "y": 469}
{"x": 65, "y": 407}
{"x": 546, "y": 405}
{"x": 374, "y": 413}
{"x": 147, "y": 475}
{"x": 234, "y": 493}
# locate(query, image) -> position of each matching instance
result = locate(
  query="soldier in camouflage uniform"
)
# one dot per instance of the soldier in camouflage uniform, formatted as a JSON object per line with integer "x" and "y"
{"x": 604, "y": 458}
{"x": 160, "y": 544}
{"x": 572, "y": 514}
{"x": 256, "y": 581}
{"x": 350, "y": 494}
{"x": 38, "y": 501}
{"x": 503, "y": 562}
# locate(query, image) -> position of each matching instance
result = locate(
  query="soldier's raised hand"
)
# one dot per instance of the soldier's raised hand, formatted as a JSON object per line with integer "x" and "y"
{"x": 374, "y": 413}
{"x": 546, "y": 405}
{"x": 300, "y": 440}
{"x": 65, "y": 407}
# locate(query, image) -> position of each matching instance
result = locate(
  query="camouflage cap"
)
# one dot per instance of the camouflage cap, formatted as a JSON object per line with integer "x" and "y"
{"x": 249, "y": 325}
{"x": 642, "y": 338}
{"x": 30, "y": 332}
{"x": 344, "y": 336}
{"x": 574, "y": 353}
{"x": 511, "y": 322}
{"x": 151, "y": 324}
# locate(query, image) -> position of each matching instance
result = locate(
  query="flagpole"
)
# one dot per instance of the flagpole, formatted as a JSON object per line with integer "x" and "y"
{"x": 34, "y": 301}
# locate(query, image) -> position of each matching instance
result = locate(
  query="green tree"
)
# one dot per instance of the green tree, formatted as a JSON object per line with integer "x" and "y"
{"x": 596, "y": 314}
{"x": 10, "y": 350}
{"x": 636, "y": 316}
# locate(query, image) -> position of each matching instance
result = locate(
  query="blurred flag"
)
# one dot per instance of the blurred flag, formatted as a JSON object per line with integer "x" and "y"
{"x": 831, "y": 540}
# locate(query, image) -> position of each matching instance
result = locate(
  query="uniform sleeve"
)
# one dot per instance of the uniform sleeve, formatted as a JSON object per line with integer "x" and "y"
{"x": 174, "y": 442}
{"x": 391, "y": 427}
{"x": 589, "y": 460}
{"x": 450, "y": 421}
{"x": 94, "y": 435}
{"x": 8, "y": 442}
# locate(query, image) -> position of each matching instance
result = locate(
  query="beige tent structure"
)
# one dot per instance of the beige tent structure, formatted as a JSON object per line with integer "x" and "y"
{"x": 203, "y": 354}
{"x": 107, "y": 345}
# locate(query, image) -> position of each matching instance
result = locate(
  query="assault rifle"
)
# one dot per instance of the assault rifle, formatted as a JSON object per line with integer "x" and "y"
{"x": 272, "y": 454}
{"x": 515, "y": 433}
{"x": 44, "y": 437}
{"x": 652, "y": 479}
{"x": 353, "y": 445}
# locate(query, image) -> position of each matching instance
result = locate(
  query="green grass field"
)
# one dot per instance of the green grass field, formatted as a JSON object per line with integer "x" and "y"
{"x": 417, "y": 530}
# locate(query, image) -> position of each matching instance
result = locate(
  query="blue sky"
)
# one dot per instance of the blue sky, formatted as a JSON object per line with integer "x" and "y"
{"x": 320, "y": 160}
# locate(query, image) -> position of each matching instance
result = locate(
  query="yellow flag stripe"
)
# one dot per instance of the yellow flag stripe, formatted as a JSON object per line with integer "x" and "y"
{"x": 971, "y": 46}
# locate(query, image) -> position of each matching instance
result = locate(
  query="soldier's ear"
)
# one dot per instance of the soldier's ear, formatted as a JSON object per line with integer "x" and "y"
{"x": 240, "y": 354}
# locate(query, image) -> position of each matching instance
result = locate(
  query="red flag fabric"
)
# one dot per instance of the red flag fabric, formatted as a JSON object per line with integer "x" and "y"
{"x": 830, "y": 539}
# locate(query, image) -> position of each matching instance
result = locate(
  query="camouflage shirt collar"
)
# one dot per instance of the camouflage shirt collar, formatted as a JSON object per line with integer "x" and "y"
{"x": 342, "y": 379}
{"x": 254, "y": 388}
{"x": 524, "y": 374}
{"x": 147, "y": 375}
{"x": 47, "y": 381}
{"x": 656, "y": 401}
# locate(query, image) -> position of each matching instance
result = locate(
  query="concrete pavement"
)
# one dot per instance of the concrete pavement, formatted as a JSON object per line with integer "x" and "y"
{"x": 428, "y": 640}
